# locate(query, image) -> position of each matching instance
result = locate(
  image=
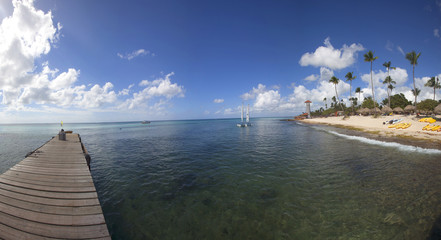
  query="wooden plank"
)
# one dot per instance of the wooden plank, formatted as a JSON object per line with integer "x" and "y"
{"x": 39, "y": 176}
{"x": 59, "y": 171}
{"x": 47, "y": 188}
{"x": 54, "y": 231}
{"x": 50, "y": 209}
{"x": 7, "y": 232}
{"x": 51, "y": 201}
{"x": 47, "y": 194}
{"x": 56, "y": 219}
{"x": 47, "y": 164}
{"x": 50, "y": 183}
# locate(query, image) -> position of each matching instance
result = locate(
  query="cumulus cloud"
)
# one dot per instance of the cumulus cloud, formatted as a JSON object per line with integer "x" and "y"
{"x": 218, "y": 100}
{"x": 160, "y": 88}
{"x": 399, "y": 75}
{"x": 312, "y": 77}
{"x": 255, "y": 91}
{"x": 24, "y": 36}
{"x": 134, "y": 54}
{"x": 328, "y": 56}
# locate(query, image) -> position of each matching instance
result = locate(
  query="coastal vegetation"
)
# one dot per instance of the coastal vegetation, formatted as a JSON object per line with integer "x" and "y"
{"x": 394, "y": 102}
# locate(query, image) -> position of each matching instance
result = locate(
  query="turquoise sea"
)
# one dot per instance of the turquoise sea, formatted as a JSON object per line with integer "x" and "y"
{"x": 208, "y": 179}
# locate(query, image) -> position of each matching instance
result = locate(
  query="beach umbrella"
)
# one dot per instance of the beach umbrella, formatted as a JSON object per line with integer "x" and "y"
{"x": 398, "y": 110}
{"x": 386, "y": 109}
{"x": 437, "y": 109}
{"x": 409, "y": 108}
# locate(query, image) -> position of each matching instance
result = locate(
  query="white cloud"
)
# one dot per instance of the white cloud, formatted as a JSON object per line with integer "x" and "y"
{"x": 218, "y": 100}
{"x": 252, "y": 94}
{"x": 268, "y": 101}
{"x": 326, "y": 74}
{"x": 96, "y": 96}
{"x": 436, "y": 33}
{"x": 389, "y": 46}
{"x": 328, "y": 56}
{"x": 24, "y": 36}
{"x": 160, "y": 88}
{"x": 399, "y": 75}
{"x": 312, "y": 77}
{"x": 400, "y": 50}
{"x": 136, "y": 53}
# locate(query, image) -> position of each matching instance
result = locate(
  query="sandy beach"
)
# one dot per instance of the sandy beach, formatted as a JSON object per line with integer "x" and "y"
{"x": 375, "y": 126}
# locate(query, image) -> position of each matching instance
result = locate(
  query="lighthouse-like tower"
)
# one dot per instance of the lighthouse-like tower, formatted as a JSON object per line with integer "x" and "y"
{"x": 308, "y": 108}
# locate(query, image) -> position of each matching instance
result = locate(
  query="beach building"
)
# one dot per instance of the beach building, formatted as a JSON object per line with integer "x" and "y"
{"x": 308, "y": 108}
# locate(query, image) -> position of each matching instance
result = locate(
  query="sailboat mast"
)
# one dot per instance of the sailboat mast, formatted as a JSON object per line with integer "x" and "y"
{"x": 248, "y": 113}
{"x": 241, "y": 114}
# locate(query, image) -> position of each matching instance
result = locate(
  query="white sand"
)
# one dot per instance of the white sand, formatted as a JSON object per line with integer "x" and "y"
{"x": 371, "y": 124}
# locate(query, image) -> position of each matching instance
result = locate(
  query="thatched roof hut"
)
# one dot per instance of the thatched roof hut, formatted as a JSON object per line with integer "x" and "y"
{"x": 398, "y": 110}
{"x": 386, "y": 109}
{"x": 365, "y": 111}
{"x": 375, "y": 111}
{"x": 409, "y": 108}
{"x": 437, "y": 109}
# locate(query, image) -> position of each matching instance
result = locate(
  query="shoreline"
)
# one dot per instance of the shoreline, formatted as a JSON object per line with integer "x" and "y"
{"x": 370, "y": 127}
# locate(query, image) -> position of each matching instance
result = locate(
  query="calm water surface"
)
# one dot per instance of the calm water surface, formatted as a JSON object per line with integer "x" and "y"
{"x": 209, "y": 179}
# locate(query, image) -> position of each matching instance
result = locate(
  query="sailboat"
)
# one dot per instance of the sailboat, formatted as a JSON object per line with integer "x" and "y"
{"x": 247, "y": 123}
{"x": 241, "y": 124}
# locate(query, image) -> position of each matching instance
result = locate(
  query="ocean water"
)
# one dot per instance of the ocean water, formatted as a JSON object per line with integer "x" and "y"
{"x": 208, "y": 179}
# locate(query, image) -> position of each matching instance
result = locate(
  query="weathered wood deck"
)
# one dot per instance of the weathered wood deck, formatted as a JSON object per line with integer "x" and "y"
{"x": 50, "y": 194}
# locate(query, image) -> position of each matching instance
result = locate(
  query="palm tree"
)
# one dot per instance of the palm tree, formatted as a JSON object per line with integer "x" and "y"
{"x": 349, "y": 77}
{"x": 335, "y": 81}
{"x": 387, "y": 65}
{"x": 389, "y": 83}
{"x": 326, "y": 103}
{"x": 432, "y": 83}
{"x": 416, "y": 92}
{"x": 390, "y": 87}
{"x": 413, "y": 58}
{"x": 358, "y": 90}
{"x": 369, "y": 57}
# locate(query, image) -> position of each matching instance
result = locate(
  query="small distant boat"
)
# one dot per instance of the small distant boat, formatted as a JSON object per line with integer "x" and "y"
{"x": 145, "y": 122}
{"x": 247, "y": 123}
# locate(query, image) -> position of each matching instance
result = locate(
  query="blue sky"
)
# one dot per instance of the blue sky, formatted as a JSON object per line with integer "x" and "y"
{"x": 87, "y": 61}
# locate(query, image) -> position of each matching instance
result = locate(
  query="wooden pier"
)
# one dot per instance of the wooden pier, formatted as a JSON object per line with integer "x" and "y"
{"x": 50, "y": 194}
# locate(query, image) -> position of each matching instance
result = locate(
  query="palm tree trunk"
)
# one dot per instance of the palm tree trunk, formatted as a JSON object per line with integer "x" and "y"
{"x": 388, "y": 96}
{"x": 372, "y": 83}
{"x": 414, "y": 87}
{"x": 335, "y": 85}
{"x": 388, "y": 93}
{"x": 434, "y": 92}
{"x": 350, "y": 97}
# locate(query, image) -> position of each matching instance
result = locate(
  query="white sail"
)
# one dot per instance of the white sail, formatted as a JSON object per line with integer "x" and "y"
{"x": 248, "y": 113}
{"x": 241, "y": 114}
